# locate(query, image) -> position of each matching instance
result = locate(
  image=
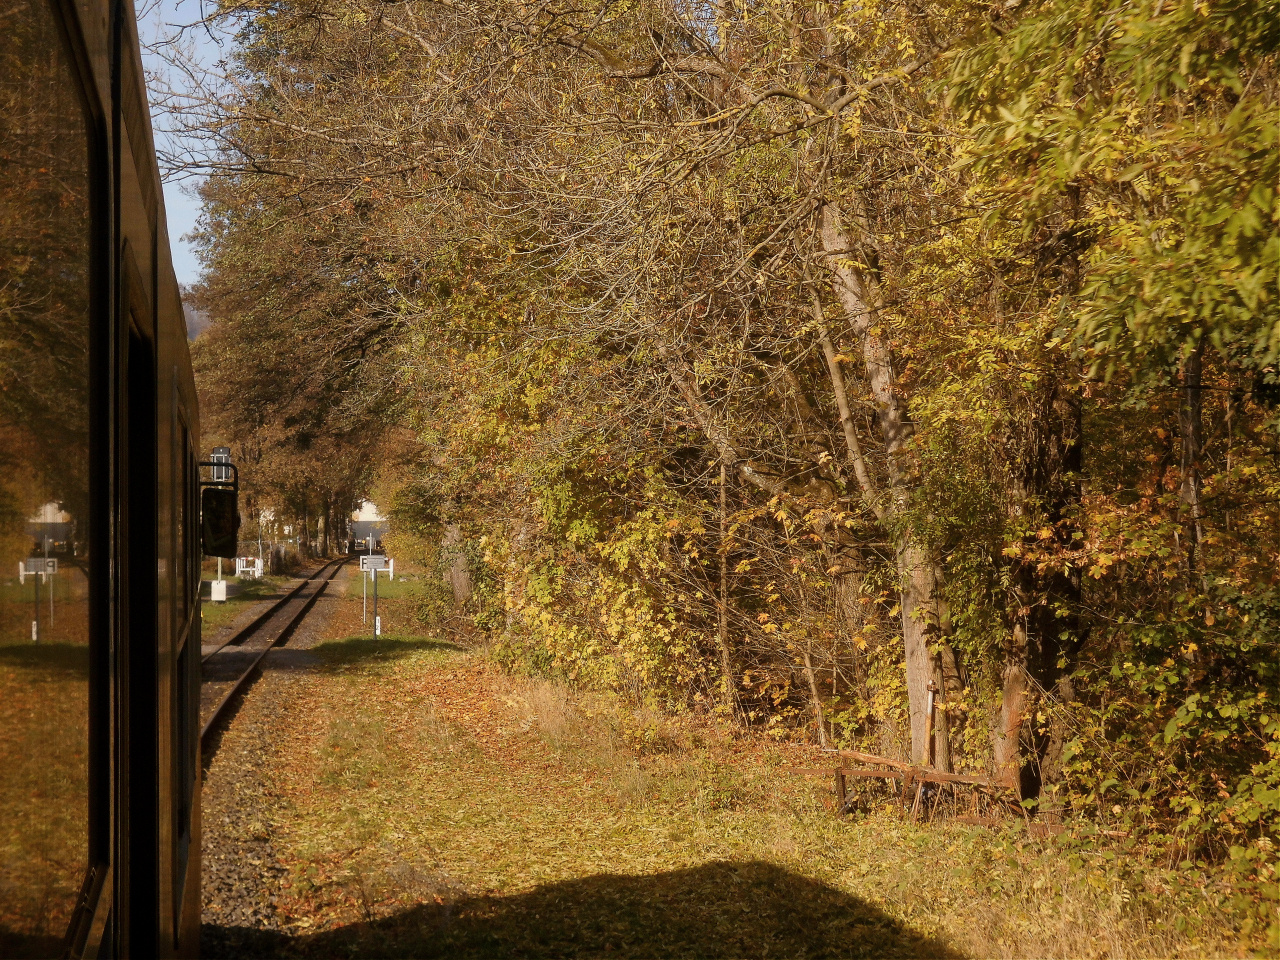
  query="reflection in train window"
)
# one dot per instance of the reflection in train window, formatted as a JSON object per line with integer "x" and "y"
{"x": 44, "y": 483}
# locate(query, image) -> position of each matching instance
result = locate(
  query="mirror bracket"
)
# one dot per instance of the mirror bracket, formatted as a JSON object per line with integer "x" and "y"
{"x": 233, "y": 483}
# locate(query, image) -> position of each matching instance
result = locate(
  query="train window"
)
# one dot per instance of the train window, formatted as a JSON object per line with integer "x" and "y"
{"x": 193, "y": 529}
{"x": 182, "y": 604}
{"x": 186, "y": 681}
{"x": 44, "y": 483}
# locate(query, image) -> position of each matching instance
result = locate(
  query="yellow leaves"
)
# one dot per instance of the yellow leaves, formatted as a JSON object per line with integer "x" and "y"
{"x": 1012, "y": 551}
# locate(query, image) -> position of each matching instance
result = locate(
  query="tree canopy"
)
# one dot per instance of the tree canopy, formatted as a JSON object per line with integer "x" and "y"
{"x": 906, "y": 370}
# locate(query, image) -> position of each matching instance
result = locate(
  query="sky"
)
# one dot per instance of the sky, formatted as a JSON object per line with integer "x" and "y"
{"x": 182, "y": 206}
{"x": 182, "y": 210}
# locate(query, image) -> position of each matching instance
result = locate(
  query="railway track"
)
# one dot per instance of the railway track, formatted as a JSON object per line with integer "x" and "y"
{"x": 229, "y": 669}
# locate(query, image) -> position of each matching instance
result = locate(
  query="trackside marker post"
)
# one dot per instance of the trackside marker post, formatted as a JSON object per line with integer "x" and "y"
{"x": 220, "y": 455}
{"x": 40, "y": 569}
{"x": 371, "y": 564}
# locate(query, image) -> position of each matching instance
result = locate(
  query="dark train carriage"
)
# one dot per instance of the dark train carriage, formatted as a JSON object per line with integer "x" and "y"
{"x": 99, "y": 565}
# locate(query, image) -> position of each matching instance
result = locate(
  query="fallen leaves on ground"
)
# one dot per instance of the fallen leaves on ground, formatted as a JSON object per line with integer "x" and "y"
{"x": 433, "y": 806}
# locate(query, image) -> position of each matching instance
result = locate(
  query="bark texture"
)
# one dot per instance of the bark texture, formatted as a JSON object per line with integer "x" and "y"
{"x": 919, "y": 578}
{"x": 457, "y": 572}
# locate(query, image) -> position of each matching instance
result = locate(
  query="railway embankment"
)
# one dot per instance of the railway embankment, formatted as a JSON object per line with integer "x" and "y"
{"x": 242, "y": 872}
{"x": 403, "y": 797}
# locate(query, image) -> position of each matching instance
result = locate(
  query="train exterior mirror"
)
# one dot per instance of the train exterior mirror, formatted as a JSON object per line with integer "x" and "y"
{"x": 220, "y": 521}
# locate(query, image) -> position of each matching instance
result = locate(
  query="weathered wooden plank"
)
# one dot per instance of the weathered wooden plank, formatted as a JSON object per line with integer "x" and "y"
{"x": 926, "y": 774}
{"x": 870, "y": 758}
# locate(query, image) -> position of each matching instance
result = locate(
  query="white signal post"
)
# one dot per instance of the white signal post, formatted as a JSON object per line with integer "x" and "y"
{"x": 218, "y": 588}
{"x": 39, "y": 568}
{"x": 370, "y": 564}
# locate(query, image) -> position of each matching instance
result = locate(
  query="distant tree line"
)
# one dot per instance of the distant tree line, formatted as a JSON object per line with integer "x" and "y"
{"x": 815, "y": 362}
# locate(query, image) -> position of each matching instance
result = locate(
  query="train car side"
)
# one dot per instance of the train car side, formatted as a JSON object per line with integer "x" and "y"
{"x": 100, "y": 817}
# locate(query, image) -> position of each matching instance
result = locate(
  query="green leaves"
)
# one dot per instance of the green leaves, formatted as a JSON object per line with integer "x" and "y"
{"x": 1162, "y": 122}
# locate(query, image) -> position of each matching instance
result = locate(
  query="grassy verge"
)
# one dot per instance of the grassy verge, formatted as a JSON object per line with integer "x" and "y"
{"x": 44, "y": 699}
{"x": 434, "y": 806}
{"x": 392, "y": 588}
{"x": 216, "y": 615}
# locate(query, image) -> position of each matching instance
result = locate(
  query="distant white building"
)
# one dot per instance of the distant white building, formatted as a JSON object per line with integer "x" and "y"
{"x": 51, "y": 512}
{"x": 367, "y": 524}
{"x": 51, "y": 529}
{"x": 367, "y": 513}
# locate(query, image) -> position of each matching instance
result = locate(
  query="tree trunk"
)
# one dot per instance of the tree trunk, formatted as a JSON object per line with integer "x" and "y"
{"x": 1191, "y": 425}
{"x": 919, "y": 578}
{"x": 1044, "y": 628}
{"x": 322, "y": 529}
{"x": 858, "y": 293}
{"x": 1006, "y": 737}
{"x": 728, "y": 679}
{"x": 454, "y": 559}
{"x": 854, "y": 609}
{"x": 921, "y": 630}
{"x": 816, "y": 696}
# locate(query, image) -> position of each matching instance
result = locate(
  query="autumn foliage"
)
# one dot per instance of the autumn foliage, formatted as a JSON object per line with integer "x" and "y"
{"x": 793, "y": 359}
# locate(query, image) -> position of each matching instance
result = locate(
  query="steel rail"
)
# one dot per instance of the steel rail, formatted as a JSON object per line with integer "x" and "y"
{"x": 243, "y": 681}
{"x": 248, "y": 629}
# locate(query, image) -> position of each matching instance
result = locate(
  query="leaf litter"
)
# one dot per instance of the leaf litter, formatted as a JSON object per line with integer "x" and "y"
{"x": 431, "y": 805}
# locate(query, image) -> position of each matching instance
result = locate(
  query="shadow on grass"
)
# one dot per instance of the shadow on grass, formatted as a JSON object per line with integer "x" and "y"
{"x": 18, "y": 944}
{"x": 73, "y": 658}
{"x": 721, "y": 909}
{"x": 391, "y": 647}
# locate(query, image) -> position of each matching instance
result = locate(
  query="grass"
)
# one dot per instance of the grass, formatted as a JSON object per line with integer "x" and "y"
{"x": 217, "y": 615}
{"x": 44, "y": 700}
{"x": 68, "y": 584}
{"x": 400, "y": 586}
{"x": 434, "y": 806}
